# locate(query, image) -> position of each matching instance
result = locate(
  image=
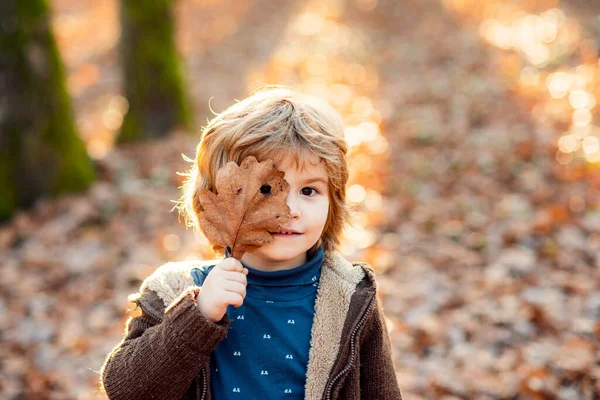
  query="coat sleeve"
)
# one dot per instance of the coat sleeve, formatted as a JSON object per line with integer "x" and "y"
{"x": 160, "y": 359}
{"x": 377, "y": 374}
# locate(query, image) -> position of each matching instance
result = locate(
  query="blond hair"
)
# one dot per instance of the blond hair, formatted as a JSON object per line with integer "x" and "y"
{"x": 272, "y": 122}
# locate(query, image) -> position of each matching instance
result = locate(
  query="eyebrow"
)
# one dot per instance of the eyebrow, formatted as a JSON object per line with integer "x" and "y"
{"x": 317, "y": 179}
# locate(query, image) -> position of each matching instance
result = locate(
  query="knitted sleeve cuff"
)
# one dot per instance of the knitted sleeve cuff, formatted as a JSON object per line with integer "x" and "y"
{"x": 186, "y": 322}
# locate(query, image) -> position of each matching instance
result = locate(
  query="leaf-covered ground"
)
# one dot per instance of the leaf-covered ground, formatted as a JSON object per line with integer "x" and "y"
{"x": 486, "y": 241}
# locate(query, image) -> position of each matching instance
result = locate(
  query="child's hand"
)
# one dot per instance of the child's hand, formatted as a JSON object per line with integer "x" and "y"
{"x": 224, "y": 285}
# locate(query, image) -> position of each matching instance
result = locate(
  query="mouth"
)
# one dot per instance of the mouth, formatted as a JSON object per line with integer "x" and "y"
{"x": 286, "y": 233}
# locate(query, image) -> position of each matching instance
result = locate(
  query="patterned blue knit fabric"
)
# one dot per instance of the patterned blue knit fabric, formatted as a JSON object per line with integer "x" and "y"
{"x": 265, "y": 353}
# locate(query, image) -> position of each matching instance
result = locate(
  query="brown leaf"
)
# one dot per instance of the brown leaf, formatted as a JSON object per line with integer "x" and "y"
{"x": 250, "y": 203}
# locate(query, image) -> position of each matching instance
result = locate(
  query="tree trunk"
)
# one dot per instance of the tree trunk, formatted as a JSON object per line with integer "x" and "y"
{"x": 152, "y": 73}
{"x": 41, "y": 152}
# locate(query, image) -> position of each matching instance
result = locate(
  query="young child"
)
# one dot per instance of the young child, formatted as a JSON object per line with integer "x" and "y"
{"x": 293, "y": 319}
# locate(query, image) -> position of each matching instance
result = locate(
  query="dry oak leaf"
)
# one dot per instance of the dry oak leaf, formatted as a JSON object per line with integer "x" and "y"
{"x": 250, "y": 203}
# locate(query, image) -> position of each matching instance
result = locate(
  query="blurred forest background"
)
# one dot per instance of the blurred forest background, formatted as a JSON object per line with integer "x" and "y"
{"x": 474, "y": 167}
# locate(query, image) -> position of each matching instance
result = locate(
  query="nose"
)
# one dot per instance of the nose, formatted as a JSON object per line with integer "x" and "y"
{"x": 292, "y": 204}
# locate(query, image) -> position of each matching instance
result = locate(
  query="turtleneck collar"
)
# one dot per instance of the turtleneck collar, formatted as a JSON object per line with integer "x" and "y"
{"x": 285, "y": 285}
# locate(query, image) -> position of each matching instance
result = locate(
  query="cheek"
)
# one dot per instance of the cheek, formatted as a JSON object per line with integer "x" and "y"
{"x": 322, "y": 214}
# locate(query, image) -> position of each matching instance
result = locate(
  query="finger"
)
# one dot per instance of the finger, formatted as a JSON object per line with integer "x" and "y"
{"x": 245, "y": 271}
{"x": 235, "y": 299}
{"x": 231, "y": 264}
{"x": 235, "y": 287}
{"x": 235, "y": 276}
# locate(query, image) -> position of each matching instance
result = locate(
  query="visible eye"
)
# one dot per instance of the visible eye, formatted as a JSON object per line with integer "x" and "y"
{"x": 265, "y": 189}
{"x": 308, "y": 188}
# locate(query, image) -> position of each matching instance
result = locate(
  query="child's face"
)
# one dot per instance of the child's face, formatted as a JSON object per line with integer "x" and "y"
{"x": 309, "y": 205}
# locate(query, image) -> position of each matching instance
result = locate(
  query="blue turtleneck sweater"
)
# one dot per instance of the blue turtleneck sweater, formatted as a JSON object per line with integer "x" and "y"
{"x": 265, "y": 353}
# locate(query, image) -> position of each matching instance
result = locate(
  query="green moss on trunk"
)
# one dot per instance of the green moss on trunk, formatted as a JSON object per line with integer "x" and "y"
{"x": 152, "y": 73}
{"x": 41, "y": 151}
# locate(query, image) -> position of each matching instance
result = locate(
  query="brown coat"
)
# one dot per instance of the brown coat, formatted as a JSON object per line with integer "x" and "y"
{"x": 165, "y": 352}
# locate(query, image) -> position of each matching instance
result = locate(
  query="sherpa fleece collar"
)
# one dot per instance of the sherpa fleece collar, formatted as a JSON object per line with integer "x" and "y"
{"x": 338, "y": 282}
